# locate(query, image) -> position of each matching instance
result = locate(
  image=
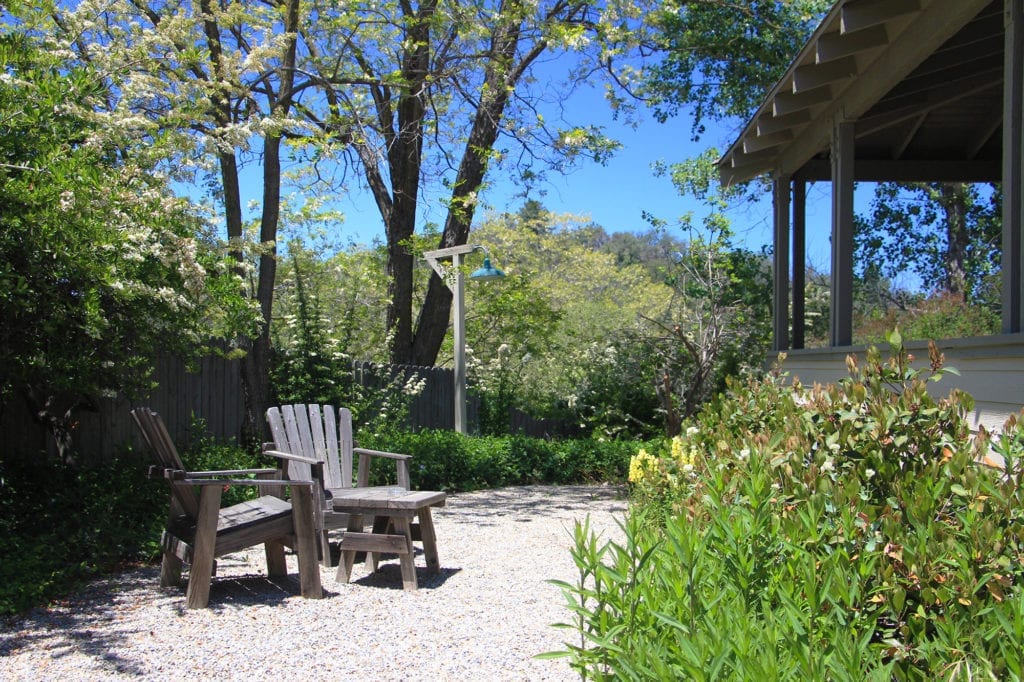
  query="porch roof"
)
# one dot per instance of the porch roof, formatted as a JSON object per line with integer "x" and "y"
{"x": 921, "y": 80}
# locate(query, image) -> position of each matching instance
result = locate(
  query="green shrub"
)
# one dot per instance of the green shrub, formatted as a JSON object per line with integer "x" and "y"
{"x": 847, "y": 532}
{"x": 445, "y": 460}
{"x": 60, "y": 525}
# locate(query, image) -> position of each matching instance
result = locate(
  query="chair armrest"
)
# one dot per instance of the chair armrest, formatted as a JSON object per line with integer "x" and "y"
{"x": 401, "y": 465}
{"x": 231, "y": 472}
{"x": 379, "y": 453}
{"x": 155, "y": 471}
{"x": 287, "y": 455}
{"x": 180, "y": 477}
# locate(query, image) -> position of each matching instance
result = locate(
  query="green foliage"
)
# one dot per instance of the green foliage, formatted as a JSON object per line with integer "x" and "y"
{"x": 939, "y": 316}
{"x": 722, "y": 57}
{"x": 717, "y": 321}
{"x": 63, "y": 525}
{"x": 947, "y": 234}
{"x": 206, "y": 453}
{"x": 100, "y": 266}
{"x": 445, "y": 460}
{"x": 847, "y": 532}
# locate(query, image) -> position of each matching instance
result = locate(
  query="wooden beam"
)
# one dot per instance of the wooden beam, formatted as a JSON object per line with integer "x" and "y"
{"x": 768, "y": 124}
{"x": 895, "y": 111}
{"x": 838, "y": 45}
{"x": 980, "y": 29}
{"x": 880, "y": 73}
{"x": 761, "y": 142}
{"x": 799, "y": 261}
{"x": 985, "y": 131}
{"x": 811, "y": 76}
{"x": 960, "y": 55}
{"x": 970, "y": 75}
{"x": 841, "y": 308}
{"x": 754, "y": 158}
{"x": 908, "y": 170}
{"x": 897, "y": 152}
{"x": 787, "y": 103}
{"x": 867, "y": 13}
{"x": 780, "y": 264}
{"x": 1013, "y": 169}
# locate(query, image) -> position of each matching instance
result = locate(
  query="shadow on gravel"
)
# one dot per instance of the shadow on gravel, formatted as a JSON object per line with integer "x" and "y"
{"x": 94, "y": 623}
{"x": 83, "y": 624}
{"x": 531, "y": 502}
{"x": 389, "y": 576}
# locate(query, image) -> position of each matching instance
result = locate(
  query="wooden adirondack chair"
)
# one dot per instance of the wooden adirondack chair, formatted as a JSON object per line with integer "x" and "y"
{"x": 198, "y": 530}
{"x": 314, "y": 433}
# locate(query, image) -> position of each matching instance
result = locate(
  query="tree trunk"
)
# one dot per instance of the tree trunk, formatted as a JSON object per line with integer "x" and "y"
{"x": 499, "y": 81}
{"x": 405, "y": 159}
{"x": 952, "y": 196}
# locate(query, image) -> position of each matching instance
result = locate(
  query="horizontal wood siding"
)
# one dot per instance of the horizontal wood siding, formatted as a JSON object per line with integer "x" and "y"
{"x": 991, "y": 370}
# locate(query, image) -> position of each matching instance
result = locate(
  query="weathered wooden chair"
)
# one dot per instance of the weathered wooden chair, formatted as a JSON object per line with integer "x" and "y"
{"x": 198, "y": 530}
{"x": 324, "y": 435}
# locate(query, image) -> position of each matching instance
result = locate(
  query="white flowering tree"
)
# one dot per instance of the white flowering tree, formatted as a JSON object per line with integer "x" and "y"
{"x": 204, "y": 89}
{"x": 101, "y": 266}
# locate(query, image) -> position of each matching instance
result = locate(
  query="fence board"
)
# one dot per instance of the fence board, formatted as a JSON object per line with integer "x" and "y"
{"x": 214, "y": 394}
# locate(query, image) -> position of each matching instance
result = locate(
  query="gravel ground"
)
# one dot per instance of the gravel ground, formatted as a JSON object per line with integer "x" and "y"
{"x": 484, "y": 617}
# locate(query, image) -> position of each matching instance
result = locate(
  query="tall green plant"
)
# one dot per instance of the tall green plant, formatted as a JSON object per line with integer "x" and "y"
{"x": 845, "y": 532}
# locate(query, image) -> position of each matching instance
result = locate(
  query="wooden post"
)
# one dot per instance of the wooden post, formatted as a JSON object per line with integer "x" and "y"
{"x": 1013, "y": 167}
{"x": 799, "y": 260}
{"x": 780, "y": 263}
{"x": 841, "y": 304}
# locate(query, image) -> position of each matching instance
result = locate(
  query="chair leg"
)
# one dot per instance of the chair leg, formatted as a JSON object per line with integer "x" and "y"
{"x": 305, "y": 542}
{"x": 348, "y": 556}
{"x": 277, "y": 567}
{"x": 325, "y": 549}
{"x": 171, "y": 565}
{"x": 201, "y": 570}
{"x": 380, "y": 525}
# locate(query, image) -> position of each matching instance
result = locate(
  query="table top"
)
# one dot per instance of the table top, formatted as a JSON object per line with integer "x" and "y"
{"x": 385, "y": 497}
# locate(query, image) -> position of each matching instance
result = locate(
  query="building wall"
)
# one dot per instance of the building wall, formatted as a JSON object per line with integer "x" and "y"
{"x": 991, "y": 370}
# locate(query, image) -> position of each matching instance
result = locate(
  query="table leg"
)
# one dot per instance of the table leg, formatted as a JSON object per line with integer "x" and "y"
{"x": 429, "y": 540}
{"x": 348, "y": 556}
{"x": 407, "y": 559}
{"x": 380, "y": 525}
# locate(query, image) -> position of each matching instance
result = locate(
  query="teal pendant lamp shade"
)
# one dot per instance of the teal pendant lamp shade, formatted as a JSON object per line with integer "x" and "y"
{"x": 487, "y": 271}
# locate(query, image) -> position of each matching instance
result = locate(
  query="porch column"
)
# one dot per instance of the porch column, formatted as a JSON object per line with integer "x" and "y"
{"x": 841, "y": 299}
{"x": 1013, "y": 167}
{"x": 780, "y": 264}
{"x": 799, "y": 260}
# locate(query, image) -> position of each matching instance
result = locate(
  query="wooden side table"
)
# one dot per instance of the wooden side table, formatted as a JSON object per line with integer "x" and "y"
{"x": 394, "y": 510}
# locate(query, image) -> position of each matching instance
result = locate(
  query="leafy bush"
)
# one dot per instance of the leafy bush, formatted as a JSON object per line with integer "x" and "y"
{"x": 445, "y": 460}
{"x": 847, "y": 532}
{"x": 60, "y": 525}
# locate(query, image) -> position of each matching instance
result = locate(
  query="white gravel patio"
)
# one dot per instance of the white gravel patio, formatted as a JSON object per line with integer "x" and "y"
{"x": 486, "y": 615}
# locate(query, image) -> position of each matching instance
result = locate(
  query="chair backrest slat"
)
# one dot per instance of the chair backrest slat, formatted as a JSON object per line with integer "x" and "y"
{"x": 317, "y": 432}
{"x": 162, "y": 446}
{"x": 286, "y": 439}
{"x": 345, "y": 444}
{"x": 337, "y": 476}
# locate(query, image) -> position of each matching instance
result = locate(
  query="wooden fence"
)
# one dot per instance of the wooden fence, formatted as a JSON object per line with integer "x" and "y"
{"x": 213, "y": 395}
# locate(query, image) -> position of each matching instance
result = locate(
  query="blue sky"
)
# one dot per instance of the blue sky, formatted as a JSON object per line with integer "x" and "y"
{"x": 616, "y": 194}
